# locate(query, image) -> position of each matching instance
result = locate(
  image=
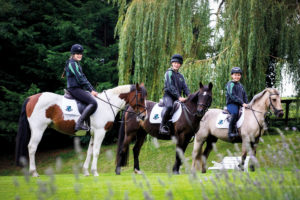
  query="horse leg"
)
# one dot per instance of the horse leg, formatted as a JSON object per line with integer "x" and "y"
{"x": 197, "y": 153}
{"x": 136, "y": 151}
{"x": 36, "y": 136}
{"x": 253, "y": 147}
{"x": 181, "y": 147}
{"x": 245, "y": 148}
{"x": 98, "y": 138}
{"x": 209, "y": 146}
{"x": 123, "y": 153}
{"x": 88, "y": 157}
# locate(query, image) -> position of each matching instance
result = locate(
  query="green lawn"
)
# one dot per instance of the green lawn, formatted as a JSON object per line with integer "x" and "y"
{"x": 277, "y": 175}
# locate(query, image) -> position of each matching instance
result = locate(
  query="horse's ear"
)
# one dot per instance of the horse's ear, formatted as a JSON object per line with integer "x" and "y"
{"x": 201, "y": 85}
{"x": 137, "y": 86}
{"x": 210, "y": 86}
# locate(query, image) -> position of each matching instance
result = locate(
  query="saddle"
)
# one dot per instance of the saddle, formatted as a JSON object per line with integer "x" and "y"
{"x": 155, "y": 115}
{"x": 80, "y": 105}
{"x": 176, "y": 105}
{"x": 225, "y": 111}
{"x": 223, "y": 118}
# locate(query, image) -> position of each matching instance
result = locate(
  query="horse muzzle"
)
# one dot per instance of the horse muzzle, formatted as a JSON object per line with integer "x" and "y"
{"x": 279, "y": 114}
{"x": 200, "y": 113}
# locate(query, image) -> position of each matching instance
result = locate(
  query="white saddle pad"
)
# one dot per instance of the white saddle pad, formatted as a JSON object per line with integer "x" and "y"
{"x": 222, "y": 120}
{"x": 155, "y": 115}
{"x": 69, "y": 107}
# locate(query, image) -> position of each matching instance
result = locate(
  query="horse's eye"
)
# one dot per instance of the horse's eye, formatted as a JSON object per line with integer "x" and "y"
{"x": 274, "y": 100}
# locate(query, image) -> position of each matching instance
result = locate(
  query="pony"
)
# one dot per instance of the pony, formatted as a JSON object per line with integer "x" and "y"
{"x": 249, "y": 132}
{"x": 184, "y": 129}
{"x": 45, "y": 109}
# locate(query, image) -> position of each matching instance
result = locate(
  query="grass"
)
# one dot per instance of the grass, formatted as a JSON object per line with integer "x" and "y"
{"x": 277, "y": 174}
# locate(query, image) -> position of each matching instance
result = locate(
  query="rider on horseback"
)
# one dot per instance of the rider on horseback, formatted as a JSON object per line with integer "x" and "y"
{"x": 174, "y": 87}
{"x": 77, "y": 83}
{"x": 235, "y": 98}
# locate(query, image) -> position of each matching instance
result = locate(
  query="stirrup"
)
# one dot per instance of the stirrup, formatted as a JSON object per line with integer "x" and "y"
{"x": 164, "y": 130}
{"x": 81, "y": 127}
{"x": 232, "y": 135}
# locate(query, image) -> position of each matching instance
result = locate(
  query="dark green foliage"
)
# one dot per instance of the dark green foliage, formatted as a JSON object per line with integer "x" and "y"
{"x": 35, "y": 40}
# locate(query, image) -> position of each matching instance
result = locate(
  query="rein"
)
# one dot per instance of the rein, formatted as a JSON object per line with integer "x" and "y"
{"x": 187, "y": 111}
{"x": 121, "y": 109}
{"x": 275, "y": 112}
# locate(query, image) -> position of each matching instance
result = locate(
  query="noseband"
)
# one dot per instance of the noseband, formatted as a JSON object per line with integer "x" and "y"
{"x": 207, "y": 105}
{"x": 137, "y": 103}
{"x": 276, "y": 111}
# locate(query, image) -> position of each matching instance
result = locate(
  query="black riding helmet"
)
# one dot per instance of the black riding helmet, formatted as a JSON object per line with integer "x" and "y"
{"x": 177, "y": 58}
{"x": 236, "y": 70}
{"x": 76, "y": 48}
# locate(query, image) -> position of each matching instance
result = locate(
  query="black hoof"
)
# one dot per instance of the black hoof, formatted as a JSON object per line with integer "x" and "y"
{"x": 252, "y": 168}
{"x": 175, "y": 172}
{"x": 118, "y": 171}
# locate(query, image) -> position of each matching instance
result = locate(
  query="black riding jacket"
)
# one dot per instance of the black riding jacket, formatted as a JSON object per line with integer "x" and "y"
{"x": 175, "y": 84}
{"x": 235, "y": 93}
{"x": 75, "y": 76}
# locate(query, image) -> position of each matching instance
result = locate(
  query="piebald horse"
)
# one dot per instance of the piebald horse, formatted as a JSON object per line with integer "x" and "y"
{"x": 44, "y": 110}
{"x": 184, "y": 129}
{"x": 249, "y": 132}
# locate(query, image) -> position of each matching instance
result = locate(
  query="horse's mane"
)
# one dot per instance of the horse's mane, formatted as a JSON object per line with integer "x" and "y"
{"x": 120, "y": 89}
{"x": 125, "y": 89}
{"x": 259, "y": 95}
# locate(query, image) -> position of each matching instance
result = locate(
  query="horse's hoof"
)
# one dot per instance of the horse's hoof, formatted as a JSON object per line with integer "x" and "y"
{"x": 252, "y": 168}
{"x": 86, "y": 172}
{"x": 118, "y": 171}
{"x": 35, "y": 174}
{"x": 176, "y": 172}
{"x": 138, "y": 171}
{"x": 95, "y": 173}
{"x": 241, "y": 167}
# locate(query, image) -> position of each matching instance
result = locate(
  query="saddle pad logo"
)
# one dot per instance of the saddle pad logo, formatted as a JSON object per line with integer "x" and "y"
{"x": 69, "y": 108}
{"x": 156, "y": 116}
{"x": 221, "y": 122}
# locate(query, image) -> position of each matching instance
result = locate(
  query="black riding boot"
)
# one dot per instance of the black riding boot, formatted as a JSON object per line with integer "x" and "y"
{"x": 85, "y": 114}
{"x": 232, "y": 130}
{"x": 164, "y": 129}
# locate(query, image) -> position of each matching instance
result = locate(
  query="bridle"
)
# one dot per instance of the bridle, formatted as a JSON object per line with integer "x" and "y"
{"x": 206, "y": 105}
{"x": 137, "y": 105}
{"x": 125, "y": 110}
{"x": 276, "y": 111}
{"x": 186, "y": 110}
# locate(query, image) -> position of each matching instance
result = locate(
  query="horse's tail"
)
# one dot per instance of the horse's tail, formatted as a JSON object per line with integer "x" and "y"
{"x": 23, "y": 135}
{"x": 122, "y": 157}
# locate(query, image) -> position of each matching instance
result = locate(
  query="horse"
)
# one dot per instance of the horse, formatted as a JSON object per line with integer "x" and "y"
{"x": 192, "y": 111}
{"x": 45, "y": 109}
{"x": 249, "y": 132}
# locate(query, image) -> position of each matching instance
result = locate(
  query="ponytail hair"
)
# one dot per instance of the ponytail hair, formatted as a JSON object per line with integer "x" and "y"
{"x": 64, "y": 72}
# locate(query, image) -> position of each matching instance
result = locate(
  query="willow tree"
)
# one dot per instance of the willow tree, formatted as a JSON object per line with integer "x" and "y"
{"x": 260, "y": 36}
{"x": 151, "y": 31}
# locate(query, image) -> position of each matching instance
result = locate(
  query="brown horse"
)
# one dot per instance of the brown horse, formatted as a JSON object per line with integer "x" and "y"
{"x": 250, "y": 130}
{"x": 192, "y": 111}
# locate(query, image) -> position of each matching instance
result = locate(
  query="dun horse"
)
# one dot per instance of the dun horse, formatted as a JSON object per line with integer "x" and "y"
{"x": 249, "y": 132}
{"x": 193, "y": 109}
{"x": 45, "y": 109}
